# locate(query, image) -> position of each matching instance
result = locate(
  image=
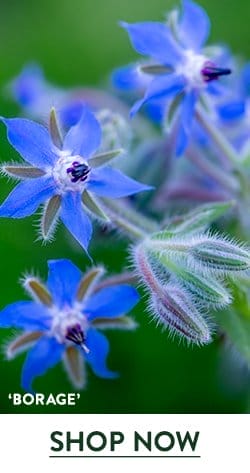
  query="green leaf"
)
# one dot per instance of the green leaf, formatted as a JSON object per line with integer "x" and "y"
{"x": 94, "y": 206}
{"x": 54, "y": 129}
{"x": 174, "y": 106}
{"x": 118, "y": 323}
{"x": 88, "y": 282}
{"x": 210, "y": 290}
{"x": 24, "y": 172}
{"x": 196, "y": 220}
{"x": 104, "y": 158}
{"x": 39, "y": 292}
{"x": 155, "y": 69}
{"x": 50, "y": 215}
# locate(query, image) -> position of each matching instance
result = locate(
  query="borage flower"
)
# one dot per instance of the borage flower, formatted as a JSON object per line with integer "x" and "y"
{"x": 35, "y": 95}
{"x": 178, "y": 64}
{"x": 64, "y": 320}
{"x": 64, "y": 175}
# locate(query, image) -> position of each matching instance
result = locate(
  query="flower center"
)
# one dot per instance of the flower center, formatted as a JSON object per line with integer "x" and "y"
{"x": 71, "y": 173}
{"x": 70, "y": 325}
{"x": 211, "y": 72}
{"x": 198, "y": 70}
{"x": 76, "y": 335}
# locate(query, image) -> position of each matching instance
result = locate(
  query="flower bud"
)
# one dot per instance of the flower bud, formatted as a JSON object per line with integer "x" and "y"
{"x": 172, "y": 304}
{"x": 115, "y": 129}
{"x": 207, "y": 288}
{"x": 219, "y": 254}
{"x": 174, "y": 308}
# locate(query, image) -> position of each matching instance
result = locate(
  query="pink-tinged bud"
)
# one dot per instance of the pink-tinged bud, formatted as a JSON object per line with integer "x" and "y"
{"x": 174, "y": 308}
{"x": 171, "y": 303}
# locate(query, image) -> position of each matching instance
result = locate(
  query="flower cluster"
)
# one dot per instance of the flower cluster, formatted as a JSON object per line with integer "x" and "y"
{"x": 83, "y": 160}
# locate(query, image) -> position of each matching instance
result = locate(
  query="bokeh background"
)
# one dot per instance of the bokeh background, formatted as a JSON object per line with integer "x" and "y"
{"x": 78, "y": 42}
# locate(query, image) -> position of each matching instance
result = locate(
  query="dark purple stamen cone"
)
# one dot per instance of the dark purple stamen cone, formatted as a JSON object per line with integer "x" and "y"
{"x": 211, "y": 72}
{"x": 78, "y": 171}
{"x": 75, "y": 334}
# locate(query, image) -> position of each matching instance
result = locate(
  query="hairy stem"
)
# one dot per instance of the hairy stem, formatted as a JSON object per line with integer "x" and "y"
{"x": 218, "y": 138}
{"x": 128, "y": 219}
{"x": 127, "y": 277}
{"x": 212, "y": 170}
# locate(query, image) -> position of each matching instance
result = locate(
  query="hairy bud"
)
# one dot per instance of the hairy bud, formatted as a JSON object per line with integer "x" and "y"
{"x": 208, "y": 289}
{"x": 219, "y": 254}
{"x": 204, "y": 252}
{"x": 172, "y": 304}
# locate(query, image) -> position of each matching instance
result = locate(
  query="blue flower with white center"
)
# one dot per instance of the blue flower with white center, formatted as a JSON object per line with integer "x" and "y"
{"x": 65, "y": 319}
{"x": 178, "y": 65}
{"x": 65, "y": 174}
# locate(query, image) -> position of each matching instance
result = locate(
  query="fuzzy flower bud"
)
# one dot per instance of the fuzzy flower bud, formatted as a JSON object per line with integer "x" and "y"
{"x": 204, "y": 252}
{"x": 220, "y": 254}
{"x": 174, "y": 308}
{"x": 172, "y": 304}
{"x": 116, "y": 131}
{"x": 209, "y": 290}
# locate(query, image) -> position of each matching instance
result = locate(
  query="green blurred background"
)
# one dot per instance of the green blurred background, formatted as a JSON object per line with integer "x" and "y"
{"x": 78, "y": 42}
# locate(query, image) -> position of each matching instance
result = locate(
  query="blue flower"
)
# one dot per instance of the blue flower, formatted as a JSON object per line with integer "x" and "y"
{"x": 63, "y": 174}
{"x": 34, "y": 93}
{"x": 178, "y": 65}
{"x": 64, "y": 320}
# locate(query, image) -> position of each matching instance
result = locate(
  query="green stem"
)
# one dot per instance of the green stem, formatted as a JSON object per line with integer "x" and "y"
{"x": 127, "y": 218}
{"x": 127, "y": 277}
{"x": 219, "y": 139}
{"x": 211, "y": 169}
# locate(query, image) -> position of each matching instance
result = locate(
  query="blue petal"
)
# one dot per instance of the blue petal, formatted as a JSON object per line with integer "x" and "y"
{"x": 156, "y": 110}
{"x": 75, "y": 218}
{"x": 28, "y": 86}
{"x": 245, "y": 80}
{"x": 162, "y": 86}
{"x": 109, "y": 182}
{"x": 46, "y": 353}
{"x": 130, "y": 78}
{"x": 26, "y": 315}
{"x": 112, "y": 301}
{"x": 186, "y": 121}
{"x": 194, "y": 26}
{"x": 85, "y": 137}
{"x": 154, "y": 39}
{"x": 27, "y": 196}
{"x": 32, "y": 141}
{"x": 71, "y": 113}
{"x": 216, "y": 88}
{"x": 98, "y": 346}
{"x": 232, "y": 110}
{"x": 63, "y": 280}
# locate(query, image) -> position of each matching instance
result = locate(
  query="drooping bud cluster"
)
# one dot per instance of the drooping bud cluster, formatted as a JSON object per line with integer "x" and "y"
{"x": 170, "y": 302}
{"x": 185, "y": 273}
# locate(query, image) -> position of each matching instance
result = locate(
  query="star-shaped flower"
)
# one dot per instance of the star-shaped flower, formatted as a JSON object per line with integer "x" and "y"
{"x": 64, "y": 174}
{"x": 178, "y": 65}
{"x": 64, "y": 320}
